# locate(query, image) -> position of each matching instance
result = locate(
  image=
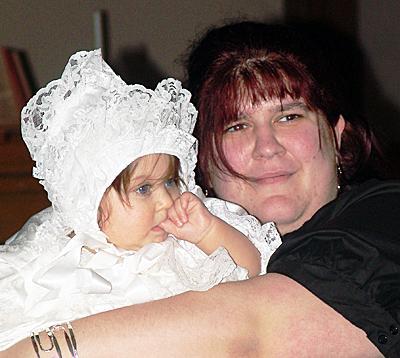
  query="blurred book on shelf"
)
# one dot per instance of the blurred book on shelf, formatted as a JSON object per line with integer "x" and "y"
{"x": 15, "y": 86}
{"x": 21, "y": 195}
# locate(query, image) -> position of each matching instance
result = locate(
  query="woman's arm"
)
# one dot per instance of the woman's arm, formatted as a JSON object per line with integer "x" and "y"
{"x": 268, "y": 315}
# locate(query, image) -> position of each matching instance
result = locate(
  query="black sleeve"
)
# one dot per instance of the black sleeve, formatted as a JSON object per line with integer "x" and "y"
{"x": 348, "y": 255}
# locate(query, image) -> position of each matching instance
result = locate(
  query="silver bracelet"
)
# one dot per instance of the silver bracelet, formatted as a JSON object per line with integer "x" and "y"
{"x": 68, "y": 335}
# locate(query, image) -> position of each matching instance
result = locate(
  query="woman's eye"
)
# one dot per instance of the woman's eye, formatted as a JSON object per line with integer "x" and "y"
{"x": 171, "y": 183}
{"x": 236, "y": 127}
{"x": 289, "y": 117}
{"x": 144, "y": 189}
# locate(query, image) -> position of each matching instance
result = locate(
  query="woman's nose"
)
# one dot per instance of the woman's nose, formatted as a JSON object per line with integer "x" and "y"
{"x": 267, "y": 143}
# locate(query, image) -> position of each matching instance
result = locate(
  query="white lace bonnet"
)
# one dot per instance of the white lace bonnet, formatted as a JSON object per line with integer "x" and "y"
{"x": 83, "y": 129}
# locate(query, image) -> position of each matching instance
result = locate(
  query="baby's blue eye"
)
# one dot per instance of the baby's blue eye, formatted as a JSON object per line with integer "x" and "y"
{"x": 144, "y": 189}
{"x": 171, "y": 183}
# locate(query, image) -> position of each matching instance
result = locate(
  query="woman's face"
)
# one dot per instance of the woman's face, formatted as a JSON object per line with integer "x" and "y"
{"x": 288, "y": 152}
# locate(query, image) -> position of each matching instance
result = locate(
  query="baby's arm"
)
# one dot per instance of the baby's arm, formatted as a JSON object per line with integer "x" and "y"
{"x": 189, "y": 220}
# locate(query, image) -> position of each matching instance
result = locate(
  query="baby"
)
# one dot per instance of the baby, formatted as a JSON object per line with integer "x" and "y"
{"x": 150, "y": 206}
{"x": 127, "y": 223}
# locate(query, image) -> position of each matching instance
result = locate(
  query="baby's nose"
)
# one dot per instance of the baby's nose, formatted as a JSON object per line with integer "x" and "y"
{"x": 165, "y": 198}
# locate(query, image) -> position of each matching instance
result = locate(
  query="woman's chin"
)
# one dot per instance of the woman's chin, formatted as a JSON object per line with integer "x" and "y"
{"x": 280, "y": 210}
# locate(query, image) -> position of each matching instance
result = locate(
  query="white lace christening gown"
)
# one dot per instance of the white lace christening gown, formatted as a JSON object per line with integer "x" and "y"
{"x": 48, "y": 278}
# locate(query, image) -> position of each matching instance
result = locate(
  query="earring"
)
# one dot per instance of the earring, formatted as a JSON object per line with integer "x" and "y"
{"x": 206, "y": 192}
{"x": 339, "y": 174}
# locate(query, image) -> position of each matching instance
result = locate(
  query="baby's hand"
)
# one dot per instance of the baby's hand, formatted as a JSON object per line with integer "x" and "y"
{"x": 188, "y": 218}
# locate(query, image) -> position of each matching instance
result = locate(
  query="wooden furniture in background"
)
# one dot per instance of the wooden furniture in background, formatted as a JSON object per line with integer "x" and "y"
{"x": 21, "y": 195}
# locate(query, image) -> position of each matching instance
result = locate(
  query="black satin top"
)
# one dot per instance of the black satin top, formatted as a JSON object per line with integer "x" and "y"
{"x": 348, "y": 255}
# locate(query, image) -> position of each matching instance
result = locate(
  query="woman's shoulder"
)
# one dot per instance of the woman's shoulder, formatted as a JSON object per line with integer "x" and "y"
{"x": 363, "y": 219}
{"x": 365, "y": 205}
{"x": 362, "y": 222}
{"x": 374, "y": 187}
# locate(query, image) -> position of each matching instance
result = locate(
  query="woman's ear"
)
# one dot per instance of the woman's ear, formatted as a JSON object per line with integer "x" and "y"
{"x": 338, "y": 130}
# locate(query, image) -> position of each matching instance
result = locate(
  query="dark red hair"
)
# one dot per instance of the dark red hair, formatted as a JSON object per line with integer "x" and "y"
{"x": 252, "y": 62}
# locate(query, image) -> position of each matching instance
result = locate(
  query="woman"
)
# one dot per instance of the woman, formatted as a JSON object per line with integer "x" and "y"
{"x": 277, "y": 138}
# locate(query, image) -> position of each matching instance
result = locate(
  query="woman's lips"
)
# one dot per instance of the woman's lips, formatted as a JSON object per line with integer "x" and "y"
{"x": 273, "y": 178}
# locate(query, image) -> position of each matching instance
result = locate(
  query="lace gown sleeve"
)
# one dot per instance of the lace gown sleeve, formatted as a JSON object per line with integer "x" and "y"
{"x": 264, "y": 237}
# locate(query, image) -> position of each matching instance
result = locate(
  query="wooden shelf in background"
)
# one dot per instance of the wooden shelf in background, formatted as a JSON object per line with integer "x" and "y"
{"x": 21, "y": 195}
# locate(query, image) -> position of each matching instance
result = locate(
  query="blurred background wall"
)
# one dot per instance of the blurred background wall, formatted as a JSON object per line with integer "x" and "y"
{"x": 151, "y": 33}
{"x": 145, "y": 40}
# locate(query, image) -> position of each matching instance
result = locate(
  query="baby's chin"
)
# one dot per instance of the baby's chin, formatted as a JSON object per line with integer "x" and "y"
{"x": 157, "y": 234}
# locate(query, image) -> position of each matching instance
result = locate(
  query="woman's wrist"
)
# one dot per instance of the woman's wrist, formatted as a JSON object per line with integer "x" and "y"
{"x": 55, "y": 341}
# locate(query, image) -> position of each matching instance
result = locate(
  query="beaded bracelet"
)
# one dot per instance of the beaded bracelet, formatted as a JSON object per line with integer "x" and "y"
{"x": 69, "y": 338}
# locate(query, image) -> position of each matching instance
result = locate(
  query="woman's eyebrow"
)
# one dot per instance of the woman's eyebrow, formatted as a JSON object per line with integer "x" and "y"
{"x": 289, "y": 106}
{"x": 277, "y": 108}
